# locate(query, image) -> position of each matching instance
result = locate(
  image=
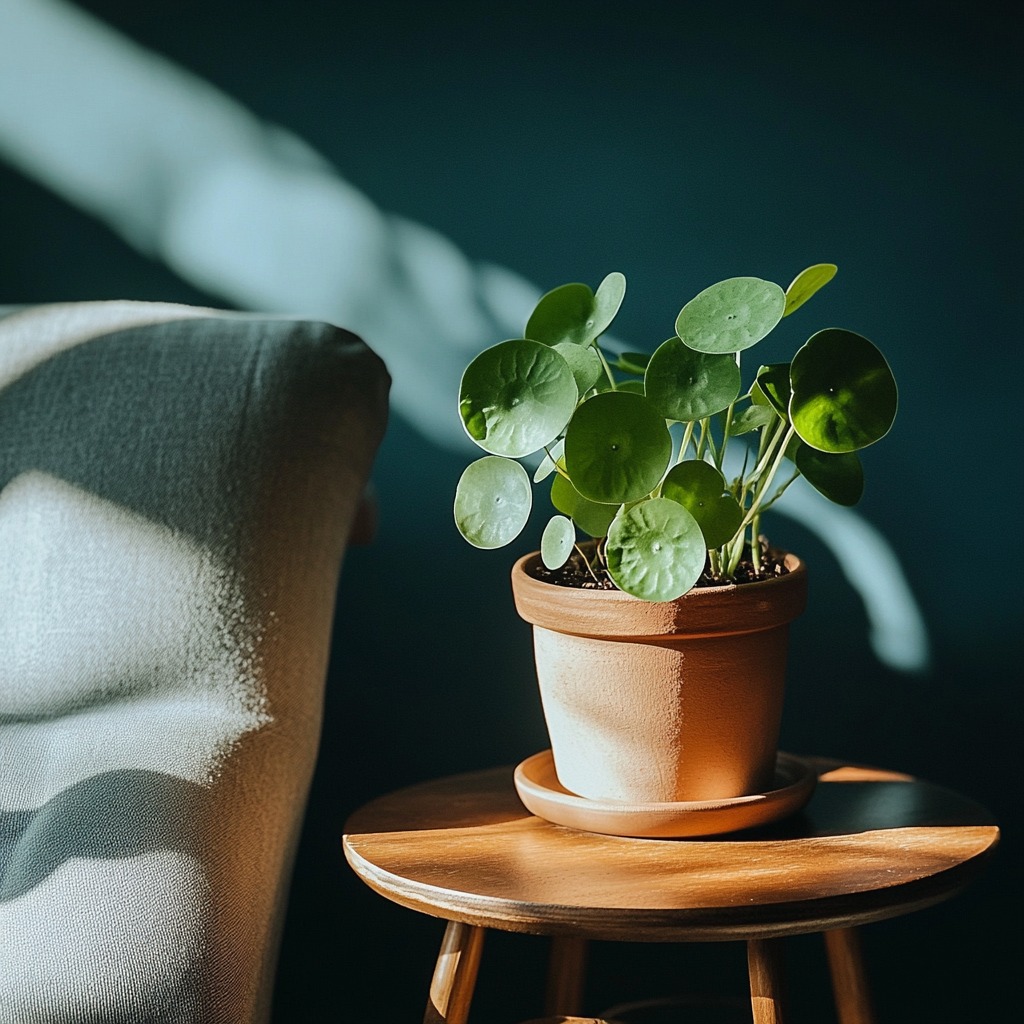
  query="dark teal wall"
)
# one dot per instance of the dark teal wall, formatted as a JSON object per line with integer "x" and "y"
{"x": 680, "y": 143}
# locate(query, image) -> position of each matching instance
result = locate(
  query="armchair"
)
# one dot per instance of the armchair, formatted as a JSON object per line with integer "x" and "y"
{"x": 177, "y": 488}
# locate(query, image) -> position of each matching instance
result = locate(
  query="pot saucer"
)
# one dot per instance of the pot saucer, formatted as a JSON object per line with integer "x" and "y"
{"x": 542, "y": 794}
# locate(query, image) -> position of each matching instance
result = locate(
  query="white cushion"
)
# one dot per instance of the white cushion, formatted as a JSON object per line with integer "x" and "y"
{"x": 177, "y": 487}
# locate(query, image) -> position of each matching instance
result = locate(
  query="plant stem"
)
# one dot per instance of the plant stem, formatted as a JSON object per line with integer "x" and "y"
{"x": 586, "y": 562}
{"x": 766, "y": 451}
{"x": 607, "y": 368}
{"x": 702, "y": 439}
{"x": 755, "y": 547}
{"x": 763, "y": 485}
{"x": 765, "y": 444}
{"x": 716, "y": 563}
{"x": 780, "y": 492}
{"x": 687, "y": 438}
{"x": 554, "y": 462}
{"x": 715, "y": 457}
{"x": 726, "y": 427}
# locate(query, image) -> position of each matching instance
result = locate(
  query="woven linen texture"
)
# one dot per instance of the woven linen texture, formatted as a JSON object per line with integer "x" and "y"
{"x": 176, "y": 491}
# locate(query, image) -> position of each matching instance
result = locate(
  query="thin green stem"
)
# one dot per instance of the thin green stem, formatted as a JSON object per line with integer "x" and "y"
{"x": 716, "y": 563}
{"x": 742, "y": 478}
{"x": 748, "y": 481}
{"x": 607, "y": 368}
{"x": 763, "y": 485}
{"x": 766, "y": 452}
{"x": 780, "y": 492}
{"x": 702, "y": 439}
{"x": 733, "y": 552}
{"x": 726, "y": 427}
{"x": 712, "y": 447}
{"x": 586, "y": 562}
{"x": 687, "y": 438}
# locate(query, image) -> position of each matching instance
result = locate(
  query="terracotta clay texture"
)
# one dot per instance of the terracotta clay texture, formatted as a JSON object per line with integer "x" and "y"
{"x": 662, "y": 702}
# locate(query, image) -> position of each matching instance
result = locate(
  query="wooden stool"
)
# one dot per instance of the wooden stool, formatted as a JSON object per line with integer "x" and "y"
{"x": 870, "y": 845}
{"x": 568, "y": 1020}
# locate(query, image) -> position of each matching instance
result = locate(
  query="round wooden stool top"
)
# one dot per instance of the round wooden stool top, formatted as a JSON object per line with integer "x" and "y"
{"x": 871, "y": 844}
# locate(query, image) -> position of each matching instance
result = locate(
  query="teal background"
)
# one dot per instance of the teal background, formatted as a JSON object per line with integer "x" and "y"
{"x": 681, "y": 144}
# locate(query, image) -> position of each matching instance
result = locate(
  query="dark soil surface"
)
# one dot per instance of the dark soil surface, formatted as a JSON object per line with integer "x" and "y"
{"x": 575, "y": 572}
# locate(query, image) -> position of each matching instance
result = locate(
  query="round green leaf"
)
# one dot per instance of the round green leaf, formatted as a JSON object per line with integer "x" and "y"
{"x": 492, "y": 502}
{"x": 732, "y": 315}
{"x": 687, "y": 385}
{"x": 772, "y": 386}
{"x": 592, "y": 517}
{"x": 556, "y": 542}
{"x": 561, "y": 315}
{"x": 516, "y": 397}
{"x": 839, "y": 477}
{"x": 655, "y": 550}
{"x": 610, "y": 293}
{"x": 806, "y": 283}
{"x": 700, "y": 489}
{"x": 617, "y": 447}
{"x": 844, "y": 394}
{"x": 573, "y": 313}
{"x": 584, "y": 362}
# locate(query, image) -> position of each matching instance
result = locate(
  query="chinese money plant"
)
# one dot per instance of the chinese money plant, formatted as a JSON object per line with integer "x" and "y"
{"x": 633, "y": 446}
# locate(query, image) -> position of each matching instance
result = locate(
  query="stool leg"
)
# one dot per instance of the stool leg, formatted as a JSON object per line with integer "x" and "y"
{"x": 764, "y": 964}
{"x": 849, "y": 982}
{"x": 565, "y": 975}
{"x": 451, "y": 989}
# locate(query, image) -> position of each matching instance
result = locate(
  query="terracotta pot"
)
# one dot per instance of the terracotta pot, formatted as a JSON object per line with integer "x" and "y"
{"x": 662, "y": 702}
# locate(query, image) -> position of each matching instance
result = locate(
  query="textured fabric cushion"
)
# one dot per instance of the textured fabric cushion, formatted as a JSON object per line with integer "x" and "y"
{"x": 176, "y": 490}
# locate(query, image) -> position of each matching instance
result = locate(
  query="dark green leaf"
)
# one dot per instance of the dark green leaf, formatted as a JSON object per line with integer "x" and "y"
{"x": 772, "y": 384}
{"x": 840, "y": 478}
{"x": 617, "y": 447}
{"x": 591, "y": 517}
{"x": 700, "y": 489}
{"x": 687, "y": 385}
{"x": 844, "y": 395}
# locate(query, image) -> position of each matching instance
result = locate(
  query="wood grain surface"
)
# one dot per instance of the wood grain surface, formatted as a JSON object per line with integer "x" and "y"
{"x": 870, "y": 844}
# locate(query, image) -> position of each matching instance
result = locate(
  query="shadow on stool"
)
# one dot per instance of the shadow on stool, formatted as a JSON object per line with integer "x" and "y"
{"x": 572, "y": 1020}
{"x": 713, "y": 1010}
{"x": 672, "y": 1010}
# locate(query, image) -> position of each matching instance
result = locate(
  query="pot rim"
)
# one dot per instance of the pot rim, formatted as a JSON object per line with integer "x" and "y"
{"x": 704, "y": 611}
